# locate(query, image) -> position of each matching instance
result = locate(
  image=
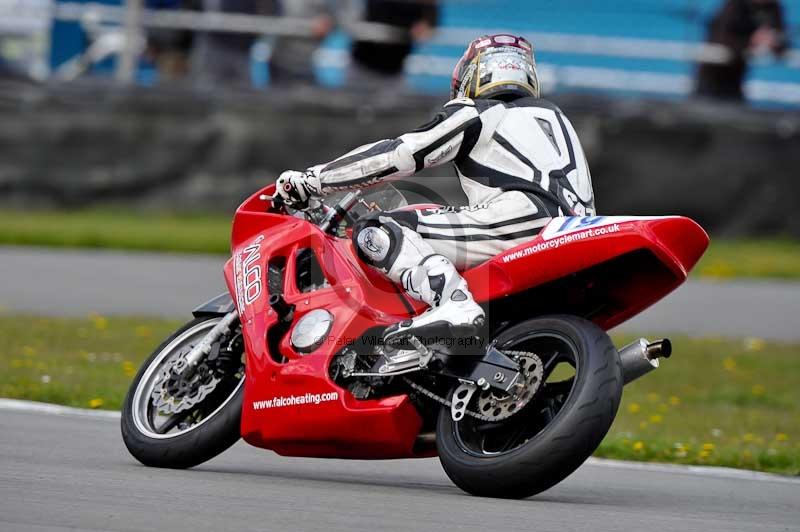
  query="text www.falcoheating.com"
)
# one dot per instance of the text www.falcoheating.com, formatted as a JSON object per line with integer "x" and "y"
{"x": 294, "y": 400}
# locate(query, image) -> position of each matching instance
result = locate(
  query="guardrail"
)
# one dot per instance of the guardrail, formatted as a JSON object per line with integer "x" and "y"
{"x": 135, "y": 18}
{"x": 120, "y": 30}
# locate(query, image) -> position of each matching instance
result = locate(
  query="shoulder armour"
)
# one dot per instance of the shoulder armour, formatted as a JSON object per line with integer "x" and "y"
{"x": 461, "y": 101}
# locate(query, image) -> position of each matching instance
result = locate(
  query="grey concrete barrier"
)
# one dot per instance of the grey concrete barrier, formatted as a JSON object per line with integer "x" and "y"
{"x": 88, "y": 144}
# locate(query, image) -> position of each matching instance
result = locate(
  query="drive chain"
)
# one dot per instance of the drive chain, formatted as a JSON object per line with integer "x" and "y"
{"x": 442, "y": 400}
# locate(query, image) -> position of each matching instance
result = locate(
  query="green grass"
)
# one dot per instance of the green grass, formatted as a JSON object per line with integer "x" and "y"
{"x": 117, "y": 230}
{"x": 769, "y": 258}
{"x": 715, "y": 402}
{"x": 77, "y": 362}
{"x": 775, "y": 258}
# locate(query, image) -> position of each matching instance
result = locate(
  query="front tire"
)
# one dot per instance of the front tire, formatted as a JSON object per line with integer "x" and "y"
{"x": 214, "y": 423}
{"x": 556, "y": 432}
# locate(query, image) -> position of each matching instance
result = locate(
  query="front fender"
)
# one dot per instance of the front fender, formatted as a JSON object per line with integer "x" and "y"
{"x": 218, "y": 306}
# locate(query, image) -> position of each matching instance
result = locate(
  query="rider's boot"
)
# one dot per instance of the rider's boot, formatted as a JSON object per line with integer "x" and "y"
{"x": 453, "y": 312}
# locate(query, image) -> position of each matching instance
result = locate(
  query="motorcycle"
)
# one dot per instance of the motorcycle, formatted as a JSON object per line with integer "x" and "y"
{"x": 292, "y": 358}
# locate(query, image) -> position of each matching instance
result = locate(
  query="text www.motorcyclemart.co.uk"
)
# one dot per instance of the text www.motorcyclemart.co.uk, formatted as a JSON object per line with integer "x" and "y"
{"x": 560, "y": 241}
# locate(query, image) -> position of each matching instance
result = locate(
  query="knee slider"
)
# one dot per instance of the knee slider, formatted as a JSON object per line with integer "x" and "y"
{"x": 377, "y": 243}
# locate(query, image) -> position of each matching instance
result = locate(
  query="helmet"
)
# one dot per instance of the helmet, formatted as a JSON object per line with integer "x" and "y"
{"x": 496, "y": 66}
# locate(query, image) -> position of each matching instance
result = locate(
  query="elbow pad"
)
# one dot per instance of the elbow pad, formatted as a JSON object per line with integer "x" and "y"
{"x": 404, "y": 160}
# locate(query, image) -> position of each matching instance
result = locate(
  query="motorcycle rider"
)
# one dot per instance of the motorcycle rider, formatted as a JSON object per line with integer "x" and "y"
{"x": 519, "y": 161}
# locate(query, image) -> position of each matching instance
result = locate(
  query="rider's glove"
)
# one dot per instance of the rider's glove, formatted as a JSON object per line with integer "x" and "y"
{"x": 296, "y": 188}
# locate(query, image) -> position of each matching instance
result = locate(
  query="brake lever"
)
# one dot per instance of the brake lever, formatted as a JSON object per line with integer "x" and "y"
{"x": 277, "y": 203}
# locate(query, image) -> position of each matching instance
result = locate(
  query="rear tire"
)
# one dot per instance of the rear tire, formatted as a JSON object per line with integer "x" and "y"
{"x": 566, "y": 441}
{"x": 198, "y": 444}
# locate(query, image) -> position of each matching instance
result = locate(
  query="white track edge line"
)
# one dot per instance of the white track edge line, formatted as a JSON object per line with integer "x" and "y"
{"x": 18, "y": 405}
{"x": 702, "y": 471}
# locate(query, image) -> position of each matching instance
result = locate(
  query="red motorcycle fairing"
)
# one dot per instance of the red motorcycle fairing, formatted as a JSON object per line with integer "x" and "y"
{"x": 629, "y": 262}
{"x": 292, "y": 406}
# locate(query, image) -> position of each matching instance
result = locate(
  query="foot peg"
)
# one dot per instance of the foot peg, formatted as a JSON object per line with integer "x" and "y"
{"x": 425, "y": 354}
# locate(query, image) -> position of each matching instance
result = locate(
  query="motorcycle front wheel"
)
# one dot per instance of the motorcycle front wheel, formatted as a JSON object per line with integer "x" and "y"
{"x": 575, "y": 400}
{"x": 176, "y": 419}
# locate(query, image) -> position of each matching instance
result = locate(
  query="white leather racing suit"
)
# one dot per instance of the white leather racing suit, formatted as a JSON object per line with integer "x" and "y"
{"x": 519, "y": 163}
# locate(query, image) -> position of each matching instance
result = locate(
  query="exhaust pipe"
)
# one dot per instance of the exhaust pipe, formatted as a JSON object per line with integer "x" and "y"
{"x": 641, "y": 357}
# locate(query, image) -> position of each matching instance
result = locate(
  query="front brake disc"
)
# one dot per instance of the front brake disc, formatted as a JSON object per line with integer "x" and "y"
{"x": 172, "y": 393}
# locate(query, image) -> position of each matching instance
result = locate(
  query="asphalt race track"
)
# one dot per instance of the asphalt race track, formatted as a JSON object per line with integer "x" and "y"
{"x": 74, "y": 283}
{"x": 72, "y": 472}
{"x": 66, "y": 472}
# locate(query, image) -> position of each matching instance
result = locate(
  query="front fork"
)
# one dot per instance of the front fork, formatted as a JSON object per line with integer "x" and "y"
{"x": 202, "y": 349}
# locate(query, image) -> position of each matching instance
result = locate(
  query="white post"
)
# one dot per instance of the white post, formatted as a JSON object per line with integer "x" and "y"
{"x": 129, "y": 57}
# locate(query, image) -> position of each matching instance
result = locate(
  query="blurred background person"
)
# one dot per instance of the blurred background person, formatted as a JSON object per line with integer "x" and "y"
{"x": 380, "y": 64}
{"x": 223, "y": 58}
{"x": 292, "y": 57}
{"x": 170, "y": 49}
{"x": 7, "y": 71}
{"x": 744, "y": 27}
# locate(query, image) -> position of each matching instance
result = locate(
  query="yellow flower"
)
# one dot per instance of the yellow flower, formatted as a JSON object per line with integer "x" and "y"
{"x": 100, "y": 323}
{"x": 143, "y": 331}
{"x": 634, "y": 408}
{"x": 781, "y": 436}
{"x": 28, "y": 351}
{"x": 757, "y": 389}
{"x": 643, "y": 425}
{"x": 674, "y": 400}
{"x": 708, "y": 447}
{"x": 128, "y": 368}
{"x": 656, "y": 418}
{"x": 638, "y": 446}
{"x": 749, "y": 437}
{"x": 720, "y": 269}
{"x": 729, "y": 364}
{"x": 95, "y": 403}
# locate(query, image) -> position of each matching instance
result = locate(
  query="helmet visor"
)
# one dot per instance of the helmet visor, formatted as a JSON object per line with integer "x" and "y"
{"x": 506, "y": 65}
{"x": 496, "y": 63}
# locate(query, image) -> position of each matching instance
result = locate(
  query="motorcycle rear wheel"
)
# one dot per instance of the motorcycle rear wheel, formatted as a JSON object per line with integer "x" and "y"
{"x": 544, "y": 442}
{"x": 191, "y": 436}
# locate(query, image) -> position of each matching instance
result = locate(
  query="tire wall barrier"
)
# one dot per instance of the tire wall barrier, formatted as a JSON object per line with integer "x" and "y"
{"x": 733, "y": 169}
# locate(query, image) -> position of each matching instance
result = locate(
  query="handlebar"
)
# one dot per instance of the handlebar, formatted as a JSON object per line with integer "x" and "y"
{"x": 338, "y": 212}
{"x": 331, "y": 218}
